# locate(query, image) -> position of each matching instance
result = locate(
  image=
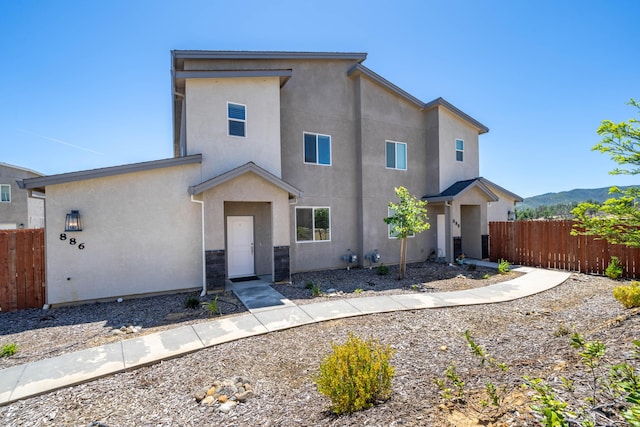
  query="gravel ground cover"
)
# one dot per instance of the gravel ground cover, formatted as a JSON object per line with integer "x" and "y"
{"x": 531, "y": 335}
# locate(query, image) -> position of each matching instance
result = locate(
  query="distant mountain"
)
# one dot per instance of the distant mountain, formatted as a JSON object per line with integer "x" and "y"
{"x": 567, "y": 197}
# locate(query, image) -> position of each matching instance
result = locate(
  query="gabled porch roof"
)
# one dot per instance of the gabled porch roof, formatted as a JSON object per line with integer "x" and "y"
{"x": 459, "y": 188}
{"x": 241, "y": 170}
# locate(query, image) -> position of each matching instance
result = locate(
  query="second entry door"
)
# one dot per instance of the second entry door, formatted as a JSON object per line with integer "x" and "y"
{"x": 240, "y": 261}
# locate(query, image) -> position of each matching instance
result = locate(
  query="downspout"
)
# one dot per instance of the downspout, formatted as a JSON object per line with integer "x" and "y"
{"x": 204, "y": 266}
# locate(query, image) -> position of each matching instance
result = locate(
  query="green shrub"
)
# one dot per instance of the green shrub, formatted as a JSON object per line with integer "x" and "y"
{"x": 503, "y": 266}
{"x": 191, "y": 302}
{"x": 8, "y": 350}
{"x": 614, "y": 269}
{"x": 212, "y": 306}
{"x": 382, "y": 270}
{"x": 356, "y": 374}
{"x": 315, "y": 289}
{"x": 628, "y": 296}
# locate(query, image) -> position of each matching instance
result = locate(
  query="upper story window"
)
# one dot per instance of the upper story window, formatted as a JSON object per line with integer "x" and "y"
{"x": 313, "y": 225}
{"x": 237, "y": 118}
{"x": 396, "y": 155}
{"x": 317, "y": 149}
{"x": 5, "y": 193}
{"x": 459, "y": 150}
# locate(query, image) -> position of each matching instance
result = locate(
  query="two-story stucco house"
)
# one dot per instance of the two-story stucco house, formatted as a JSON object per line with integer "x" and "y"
{"x": 283, "y": 162}
{"x": 19, "y": 208}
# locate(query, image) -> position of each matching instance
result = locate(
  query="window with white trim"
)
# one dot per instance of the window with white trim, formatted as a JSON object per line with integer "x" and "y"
{"x": 459, "y": 150}
{"x": 5, "y": 193}
{"x": 396, "y": 155}
{"x": 391, "y": 233}
{"x": 237, "y": 119}
{"x": 313, "y": 224}
{"x": 317, "y": 149}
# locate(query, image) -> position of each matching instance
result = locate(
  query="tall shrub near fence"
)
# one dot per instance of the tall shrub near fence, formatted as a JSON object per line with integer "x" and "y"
{"x": 549, "y": 244}
{"x": 22, "y": 274}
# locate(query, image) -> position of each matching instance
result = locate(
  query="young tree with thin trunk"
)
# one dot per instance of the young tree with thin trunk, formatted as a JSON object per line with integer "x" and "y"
{"x": 618, "y": 219}
{"x": 409, "y": 218}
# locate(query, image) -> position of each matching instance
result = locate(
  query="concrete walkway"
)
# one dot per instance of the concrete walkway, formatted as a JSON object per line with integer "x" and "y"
{"x": 268, "y": 311}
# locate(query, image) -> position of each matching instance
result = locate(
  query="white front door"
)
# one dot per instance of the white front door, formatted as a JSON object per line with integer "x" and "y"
{"x": 442, "y": 240}
{"x": 240, "y": 260}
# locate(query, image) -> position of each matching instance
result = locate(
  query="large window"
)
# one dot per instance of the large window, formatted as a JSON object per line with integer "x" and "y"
{"x": 396, "y": 155}
{"x": 5, "y": 193}
{"x": 237, "y": 118}
{"x": 459, "y": 150}
{"x": 313, "y": 225}
{"x": 317, "y": 149}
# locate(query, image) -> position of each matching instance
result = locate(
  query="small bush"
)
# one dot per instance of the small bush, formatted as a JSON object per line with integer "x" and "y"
{"x": 191, "y": 302}
{"x": 315, "y": 289}
{"x": 356, "y": 374}
{"x": 212, "y": 306}
{"x": 8, "y": 350}
{"x": 614, "y": 269}
{"x": 382, "y": 270}
{"x": 486, "y": 276}
{"x": 628, "y": 296}
{"x": 504, "y": 266}
{"x": 359, "y": 291}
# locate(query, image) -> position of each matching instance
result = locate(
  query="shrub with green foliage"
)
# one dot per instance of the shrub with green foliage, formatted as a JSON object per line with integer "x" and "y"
{"x": 382, "y": 270}
{"x": 614, "y": 269}
{"x": 628, "y": 296}
{"x": 191, "y": 302}
{"x": 356, "y": 375}
{"x": 8, "y": 350}
{"x": 315, "y": 289}
{"x": 212, "y": 306}
{"x": 504, "y": 266}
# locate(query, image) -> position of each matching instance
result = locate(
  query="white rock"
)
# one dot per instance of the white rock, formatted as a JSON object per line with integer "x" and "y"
{"x": 119, "y": 300}
{"x": 227, "y": 406}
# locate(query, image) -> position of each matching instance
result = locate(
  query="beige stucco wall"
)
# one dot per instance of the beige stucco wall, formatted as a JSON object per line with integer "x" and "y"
{"x": 498, "y": 211}
{"x": 141, "y": 234}
{"x": 451, "y": 128}
{"x": 207, "y": 130}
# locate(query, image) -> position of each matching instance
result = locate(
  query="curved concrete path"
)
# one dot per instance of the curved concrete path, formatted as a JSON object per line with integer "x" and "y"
{"x": 20, "y": 382}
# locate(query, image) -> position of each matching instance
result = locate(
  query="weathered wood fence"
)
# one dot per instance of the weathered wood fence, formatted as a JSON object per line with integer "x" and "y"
{"x": 22, "y": 276}
{"x": 549, "y": 244}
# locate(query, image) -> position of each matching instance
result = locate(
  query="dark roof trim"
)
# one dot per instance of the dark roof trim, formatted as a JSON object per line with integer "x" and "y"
{"x": 446, "y": 104}
{"x": 44, "y": 181}
{"x": 501, "y": 189}
{"x": 195, "y": 74}
{"x": 230, "y": 54}
{"x": 456, "y": 191}
{"x": 361, "y": 69}
{"x": 241, "y": 170}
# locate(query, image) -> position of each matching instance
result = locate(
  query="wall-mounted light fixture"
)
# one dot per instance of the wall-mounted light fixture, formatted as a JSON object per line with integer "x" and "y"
{"x": 511, "y": 216}
{"x": 73, "y": 223}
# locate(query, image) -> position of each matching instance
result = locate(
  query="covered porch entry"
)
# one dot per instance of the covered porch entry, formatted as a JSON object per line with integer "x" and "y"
{"x": 461, "y": 224}
{"x": 245, "y": 226}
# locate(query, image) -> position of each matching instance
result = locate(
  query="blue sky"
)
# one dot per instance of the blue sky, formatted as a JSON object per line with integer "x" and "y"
{"x": 86, "y": 84}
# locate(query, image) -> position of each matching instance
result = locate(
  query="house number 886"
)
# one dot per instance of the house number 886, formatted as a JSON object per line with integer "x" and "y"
{"x": 72, "y": 241}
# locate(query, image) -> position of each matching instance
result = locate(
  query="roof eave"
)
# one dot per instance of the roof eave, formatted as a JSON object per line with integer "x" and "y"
{"x": 441, "y": 102}
{"x": 42, "y": 182}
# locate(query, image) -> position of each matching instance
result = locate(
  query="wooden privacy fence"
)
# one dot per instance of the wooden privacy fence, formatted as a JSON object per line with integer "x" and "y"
{"x": 22, "y": 278}
{"x": 549, "y": 244}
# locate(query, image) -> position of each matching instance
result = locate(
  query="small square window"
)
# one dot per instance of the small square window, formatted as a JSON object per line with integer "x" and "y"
{"x": 313, "y": 225}
{"x": 459, "y": 150}
{"x": 396, "y": 155}
{"x": 5, "y": 193}
{"x": 317, "y": 149}
{"x": 237, "y": 118}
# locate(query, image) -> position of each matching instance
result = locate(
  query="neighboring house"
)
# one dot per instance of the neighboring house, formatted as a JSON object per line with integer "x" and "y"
{"x": 283, "y": 162}
{"x": 19, "y": 208}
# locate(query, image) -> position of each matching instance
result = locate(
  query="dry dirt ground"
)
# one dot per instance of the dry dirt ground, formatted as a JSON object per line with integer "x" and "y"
{"x": 530, "y": 335}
